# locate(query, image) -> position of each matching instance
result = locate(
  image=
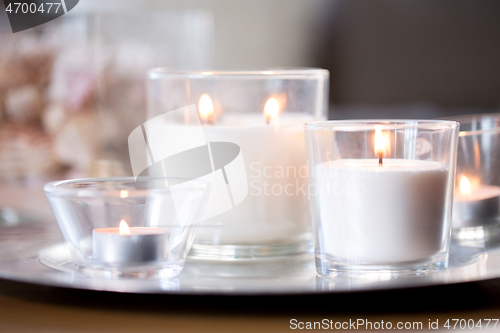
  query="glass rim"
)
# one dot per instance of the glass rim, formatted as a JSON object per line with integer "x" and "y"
{"x": 468, "y": 120}
{"x": 355, "y": 125}
{"x": 60, "y": 187}
{"x": 268, "y": 73}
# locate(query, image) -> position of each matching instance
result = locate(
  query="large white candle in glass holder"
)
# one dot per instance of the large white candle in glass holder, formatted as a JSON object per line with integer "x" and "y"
{"x": 261, "y": 114}
{"x": 383, "y": 213}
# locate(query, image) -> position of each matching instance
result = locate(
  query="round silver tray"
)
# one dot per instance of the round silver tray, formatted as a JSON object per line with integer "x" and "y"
{"x": 34, "y": 252}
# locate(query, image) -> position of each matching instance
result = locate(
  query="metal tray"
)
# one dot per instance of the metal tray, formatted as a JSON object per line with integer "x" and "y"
{"x": 34, "y": 252}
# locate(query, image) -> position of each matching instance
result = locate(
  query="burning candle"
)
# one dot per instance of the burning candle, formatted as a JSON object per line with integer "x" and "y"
{"x": 475, "y": 205}
{"x": 125, "y": 245}
{"x": 264, "y": 210}
{"x": 273, "y": 150}
{"x": 206, "y": 109}
{"x": 383, "y": 210}
{"x": 271, "y": 109}
{"x": 379, "y": 145}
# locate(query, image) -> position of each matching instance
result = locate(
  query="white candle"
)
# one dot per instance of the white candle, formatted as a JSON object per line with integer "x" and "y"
{"x": 475, "y": 205}
{"x": 273, "y": 150}
{"x": 124, "y": 245}
{"x": 387, "y": 213}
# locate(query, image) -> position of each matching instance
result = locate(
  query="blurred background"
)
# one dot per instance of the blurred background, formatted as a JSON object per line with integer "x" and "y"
{"x": 72, "y": 90}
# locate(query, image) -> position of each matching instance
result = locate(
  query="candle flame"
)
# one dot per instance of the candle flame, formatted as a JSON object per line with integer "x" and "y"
{"x": 387, "y": 144}
{"x": 271, "y": 109}
{"x": 206, "y": 108}
{"x": 380, "y": 142}
{"x": 124, "y": 229}
{"x": 465, "y": 186}
{"x": 124, "y": 194}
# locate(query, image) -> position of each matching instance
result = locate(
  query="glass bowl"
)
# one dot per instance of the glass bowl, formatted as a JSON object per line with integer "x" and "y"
{"x": 119, "y": 227}
{"x": 476, "y": 203}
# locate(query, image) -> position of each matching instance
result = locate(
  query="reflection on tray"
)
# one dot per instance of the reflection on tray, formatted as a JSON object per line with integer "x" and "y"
{"x": 295, "y": 275}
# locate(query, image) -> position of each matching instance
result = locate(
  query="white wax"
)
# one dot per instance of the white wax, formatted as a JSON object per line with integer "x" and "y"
{"x": 479, "y": 193}
{"x": 143, "y": 245}
{"x": 267, "y": 214}
{"x": 381, "y": 214}
{"x": 479, "y": 207}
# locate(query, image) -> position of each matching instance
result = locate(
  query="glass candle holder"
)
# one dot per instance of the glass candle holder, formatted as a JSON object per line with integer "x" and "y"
{"x": 381, "y": 194}
{"x": 261, "y": 113}
{"x": 117, "y": 227}
{"x": 476, "y": 203}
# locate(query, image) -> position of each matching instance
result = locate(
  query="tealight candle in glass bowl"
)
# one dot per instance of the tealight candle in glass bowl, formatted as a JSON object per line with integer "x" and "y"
{"x": 120, "y": 227}
{"x": 381, "y": 194}
{"x": 121, "y": 245}
{"x": 476, "y": 203}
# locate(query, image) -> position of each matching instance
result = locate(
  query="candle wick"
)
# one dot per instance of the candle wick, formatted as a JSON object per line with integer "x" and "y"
{"x": 208, "y": 120}
{"x": 268, "y": 119}
{"x": 380, "y": 156}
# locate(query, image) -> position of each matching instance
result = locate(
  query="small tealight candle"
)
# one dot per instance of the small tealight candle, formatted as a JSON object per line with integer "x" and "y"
{"x": 122, "y": 245}
{"x": 475, "y": 205}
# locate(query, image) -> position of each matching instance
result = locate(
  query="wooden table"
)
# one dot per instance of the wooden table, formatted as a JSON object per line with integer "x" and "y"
{"x": 32, "y": 308}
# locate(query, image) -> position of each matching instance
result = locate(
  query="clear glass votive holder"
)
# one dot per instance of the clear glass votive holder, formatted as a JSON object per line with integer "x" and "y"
{"x": 261, "y": 178}
{"x": 476, "y": 202}
{"x": 119, "y": 227}
{"x": 381, "y": 194}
